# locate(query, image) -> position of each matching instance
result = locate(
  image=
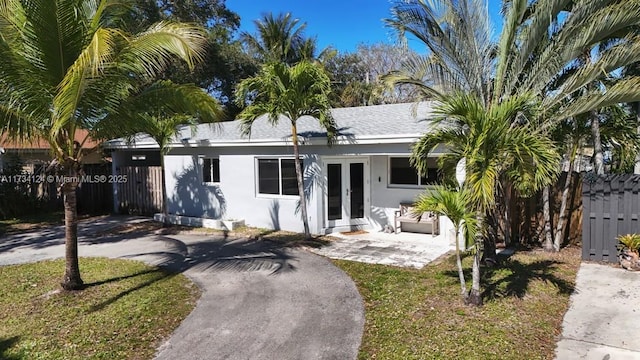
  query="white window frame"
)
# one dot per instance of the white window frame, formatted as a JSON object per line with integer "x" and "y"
{"x": 202, "y": 162}
{"x": 257, "y": 177}
{"x": 403, "y": 186}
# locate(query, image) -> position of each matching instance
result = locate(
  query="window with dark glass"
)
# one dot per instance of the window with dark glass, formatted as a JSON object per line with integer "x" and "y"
{"x": 289, "y": 179}
{"x": 210, "y": 170}
{"x": 402, "y": 173}
{"x": 268, "y": 176}
{"x": 277, "y": 177}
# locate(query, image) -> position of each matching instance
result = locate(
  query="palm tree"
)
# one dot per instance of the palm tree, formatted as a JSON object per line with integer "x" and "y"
{"x": 493, "y": 148}
{"x": 281, "y": 38}
{"x": 282, "y": 91}
{"x": 540, "y": 51}
{"x": 455, "y": 205}
{"x": 160, "y": 110}
{"x": 65, "y": 67}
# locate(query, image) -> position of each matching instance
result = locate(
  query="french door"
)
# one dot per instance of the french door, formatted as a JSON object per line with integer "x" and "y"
{"x": 347, "y": 195}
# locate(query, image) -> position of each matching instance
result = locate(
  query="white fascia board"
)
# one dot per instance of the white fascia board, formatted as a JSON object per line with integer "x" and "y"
{"x": 362, "y": 140}
{"x": 386, "y": 139}
{"x": 123, "y": 145}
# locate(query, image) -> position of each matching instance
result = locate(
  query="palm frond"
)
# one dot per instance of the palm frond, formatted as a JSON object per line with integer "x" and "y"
{"x": 291, "y": 91}
{"x": 534, "y": 33}
{"x": 150, "y": 52}
{"x": 623, "y": 91}
{"x": 624, "y": 53}
{"x": 88, "y": 66}
{"x": 506, "y": 45}
{"x": 458, "y": 34}
{"x": 589, "y": 24}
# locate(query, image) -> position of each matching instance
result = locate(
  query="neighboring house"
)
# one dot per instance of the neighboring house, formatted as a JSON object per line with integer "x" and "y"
{"x": 36, "y": 153}
{"x": 358, "y": 182}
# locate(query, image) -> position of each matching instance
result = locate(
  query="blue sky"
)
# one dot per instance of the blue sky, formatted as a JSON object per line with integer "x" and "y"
{"x": 342, "y": 24}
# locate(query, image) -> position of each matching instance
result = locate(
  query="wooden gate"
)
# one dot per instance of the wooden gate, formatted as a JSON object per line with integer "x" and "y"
{"x": 96, "y": 197}
{"x": 140, "y": 191}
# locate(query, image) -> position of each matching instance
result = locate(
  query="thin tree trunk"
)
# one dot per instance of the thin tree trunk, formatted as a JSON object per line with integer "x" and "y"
{"x": 165, "y": 212}
{"x": 562, "y": 216}
{"x": 546, "y": 211}
{"x": 475, "y": 295}
{"x": 598, "y": 158}
{"x": 72, "y": 279}
{"x": 303, "y": 200}
{"x": 463, "y": 285}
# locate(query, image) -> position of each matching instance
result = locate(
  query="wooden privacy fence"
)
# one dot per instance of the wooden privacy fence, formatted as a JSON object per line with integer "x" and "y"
{"x": 140, "y": 191}
{"x": 611, "y": 205}
{"x": 96, "y": 197}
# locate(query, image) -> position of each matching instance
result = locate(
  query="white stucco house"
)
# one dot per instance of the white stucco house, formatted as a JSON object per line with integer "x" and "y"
{"x": 357, "y": 183}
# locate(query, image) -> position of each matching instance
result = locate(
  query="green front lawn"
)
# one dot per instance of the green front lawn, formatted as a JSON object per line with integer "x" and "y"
{"x": 417, "y": 314}
{"x": 126, "y": 312}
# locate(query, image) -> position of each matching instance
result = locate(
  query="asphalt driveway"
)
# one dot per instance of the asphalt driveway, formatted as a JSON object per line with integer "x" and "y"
{"x": 259, "y": 300}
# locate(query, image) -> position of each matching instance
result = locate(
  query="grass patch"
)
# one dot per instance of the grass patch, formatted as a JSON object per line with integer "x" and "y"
{"x": 418, "y": 314}
{"x": 126, "y": 312}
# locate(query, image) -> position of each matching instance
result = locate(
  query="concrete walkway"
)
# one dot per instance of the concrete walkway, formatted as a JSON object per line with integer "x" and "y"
{"x": 403, "y": 249}
{"x": 259, "y": 300}
{"x": 603, "y": 321}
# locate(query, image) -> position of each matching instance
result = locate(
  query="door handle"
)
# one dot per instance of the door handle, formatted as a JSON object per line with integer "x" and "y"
{"x": 347, "y": 194}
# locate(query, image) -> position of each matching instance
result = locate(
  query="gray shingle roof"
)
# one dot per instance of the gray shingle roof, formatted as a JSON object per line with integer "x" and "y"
{"x": 391, "y": 120}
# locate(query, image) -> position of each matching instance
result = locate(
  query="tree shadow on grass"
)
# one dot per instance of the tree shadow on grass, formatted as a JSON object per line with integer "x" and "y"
{"x": 513, "y": 278}
{"x": 119, "y": 278}
{"x": 5, "y": 345}
{"x": 158, "y": 275}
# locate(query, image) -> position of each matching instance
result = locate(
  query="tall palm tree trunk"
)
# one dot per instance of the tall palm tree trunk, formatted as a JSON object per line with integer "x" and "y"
{"x": 546, "y": 212}
{"x": 598, "y": 157}
{"x": 303, "y": 200}
{"x": 165, "y": 212}
{"x": 475, "y": 295}
{"x": 562, "y": 216}
{"x": 72, "y": 279}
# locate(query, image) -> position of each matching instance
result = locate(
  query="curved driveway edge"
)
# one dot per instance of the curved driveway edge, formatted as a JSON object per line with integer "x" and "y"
{"x": 259, "y": 300}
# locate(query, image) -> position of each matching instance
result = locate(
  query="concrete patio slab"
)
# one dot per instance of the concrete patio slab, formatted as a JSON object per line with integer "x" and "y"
{"x": 603, "y": 320}
{"x": 403, "y": 249}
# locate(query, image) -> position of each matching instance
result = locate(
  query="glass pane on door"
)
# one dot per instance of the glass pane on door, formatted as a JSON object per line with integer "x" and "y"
{"x": 334, "y": 191}
{"x": 356, "y": 183}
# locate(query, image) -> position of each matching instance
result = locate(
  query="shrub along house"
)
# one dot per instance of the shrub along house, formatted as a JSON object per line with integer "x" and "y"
{"x": 357, "y": 183}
